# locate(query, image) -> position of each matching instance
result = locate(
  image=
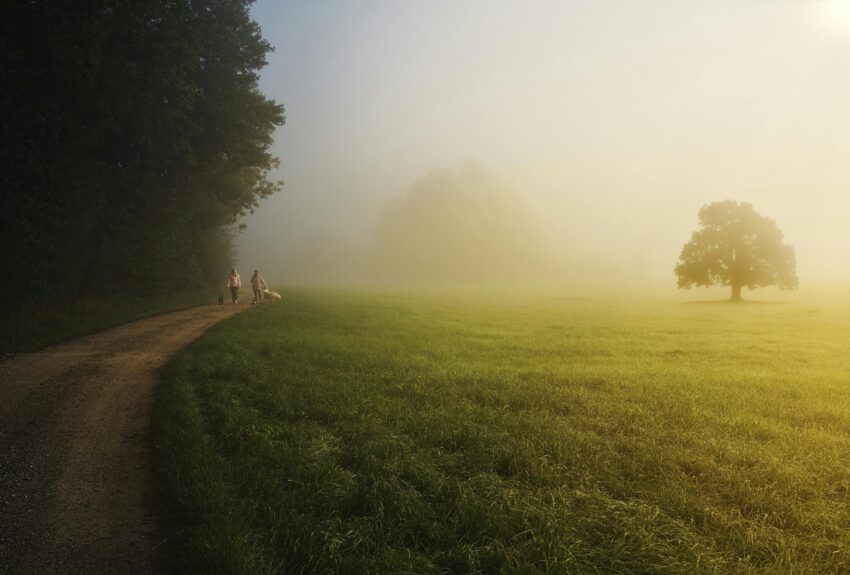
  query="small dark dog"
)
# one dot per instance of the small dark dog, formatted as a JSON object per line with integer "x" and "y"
{"x": 221, "y": 300}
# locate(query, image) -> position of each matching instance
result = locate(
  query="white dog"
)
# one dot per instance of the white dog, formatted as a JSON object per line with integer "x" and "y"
{"x": 269, "y": 295}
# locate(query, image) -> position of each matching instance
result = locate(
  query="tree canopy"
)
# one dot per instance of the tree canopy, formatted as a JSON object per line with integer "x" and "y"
{"x": 134, "y": 134}
{"x": 736, "y": 247}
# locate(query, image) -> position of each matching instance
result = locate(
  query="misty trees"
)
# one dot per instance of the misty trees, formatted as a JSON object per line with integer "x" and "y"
{"x": 736, "y": 247}
{"x": 460, "y": 225}
{"x": 133, "y": 135}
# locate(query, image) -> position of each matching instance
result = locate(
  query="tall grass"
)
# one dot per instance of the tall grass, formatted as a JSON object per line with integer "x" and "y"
{"x": 381, "y": 432}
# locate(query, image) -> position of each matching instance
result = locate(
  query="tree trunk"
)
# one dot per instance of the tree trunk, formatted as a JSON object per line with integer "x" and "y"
{"x": 736, "y": 293}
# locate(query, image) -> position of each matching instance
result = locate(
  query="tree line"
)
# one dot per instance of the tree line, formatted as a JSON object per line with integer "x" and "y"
{"x": 133, "y": 138}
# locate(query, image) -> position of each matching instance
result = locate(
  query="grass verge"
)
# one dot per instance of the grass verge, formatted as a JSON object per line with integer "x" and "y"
{"x": 367, "y": 432}
{"x": 35, "y": 326}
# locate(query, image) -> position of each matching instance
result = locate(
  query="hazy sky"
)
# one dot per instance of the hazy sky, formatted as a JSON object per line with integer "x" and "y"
{"x": 616, "y": 119}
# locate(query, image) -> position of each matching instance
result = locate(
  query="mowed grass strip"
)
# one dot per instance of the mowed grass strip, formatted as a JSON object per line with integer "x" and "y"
{"x": 438, "y": 432}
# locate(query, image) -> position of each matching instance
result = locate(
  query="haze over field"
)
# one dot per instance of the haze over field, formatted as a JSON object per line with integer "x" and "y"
{"x": 612, "y": 123}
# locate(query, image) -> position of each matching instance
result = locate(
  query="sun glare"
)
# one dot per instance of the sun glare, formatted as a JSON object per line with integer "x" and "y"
{"x": 835, "y": 14}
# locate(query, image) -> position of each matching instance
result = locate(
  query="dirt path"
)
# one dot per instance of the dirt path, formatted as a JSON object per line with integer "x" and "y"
{"x": 75, "y": 453}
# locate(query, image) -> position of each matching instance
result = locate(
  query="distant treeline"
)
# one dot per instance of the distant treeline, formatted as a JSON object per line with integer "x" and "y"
{"x": 457, "y": 225}
{"x": 133, "y": 137}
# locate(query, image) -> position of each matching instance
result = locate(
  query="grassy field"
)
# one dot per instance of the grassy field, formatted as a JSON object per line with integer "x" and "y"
{"x": 473, "y": 432}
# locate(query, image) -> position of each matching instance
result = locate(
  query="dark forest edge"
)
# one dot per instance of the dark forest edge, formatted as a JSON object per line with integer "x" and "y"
{"x": 136, "y": 140}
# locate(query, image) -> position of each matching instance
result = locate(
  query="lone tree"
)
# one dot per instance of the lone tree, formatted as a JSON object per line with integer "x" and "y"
{"x": 736, "y": 247}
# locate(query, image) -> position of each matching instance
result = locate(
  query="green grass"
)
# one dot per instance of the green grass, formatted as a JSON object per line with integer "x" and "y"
{"x": 34, "y": 326}
{"x": 440, "y": 432}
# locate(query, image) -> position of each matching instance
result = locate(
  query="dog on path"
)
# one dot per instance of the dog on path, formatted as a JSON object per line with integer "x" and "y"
{"x": 271, "y": 295}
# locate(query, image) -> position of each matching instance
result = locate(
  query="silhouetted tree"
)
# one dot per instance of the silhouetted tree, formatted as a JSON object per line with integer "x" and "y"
{"x": 736, "y": 247}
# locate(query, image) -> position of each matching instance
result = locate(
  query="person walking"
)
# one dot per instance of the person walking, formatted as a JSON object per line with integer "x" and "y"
{"x": 258, "y": 284}
{"x": 234, "y": 282}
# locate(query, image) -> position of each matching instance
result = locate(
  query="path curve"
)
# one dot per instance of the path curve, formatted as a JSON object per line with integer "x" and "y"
{"x": 76, "y": 480}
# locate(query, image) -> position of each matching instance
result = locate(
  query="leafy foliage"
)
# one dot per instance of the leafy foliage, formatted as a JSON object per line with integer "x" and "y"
{"x": 737, "y": 247}
{"x": 135, "y": 137}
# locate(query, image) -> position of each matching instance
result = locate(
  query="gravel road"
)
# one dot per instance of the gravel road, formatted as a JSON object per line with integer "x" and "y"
{"x": 76, "y": 482}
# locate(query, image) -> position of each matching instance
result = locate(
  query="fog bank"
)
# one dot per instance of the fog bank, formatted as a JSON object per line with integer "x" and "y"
{"x": 609, "y": 123}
